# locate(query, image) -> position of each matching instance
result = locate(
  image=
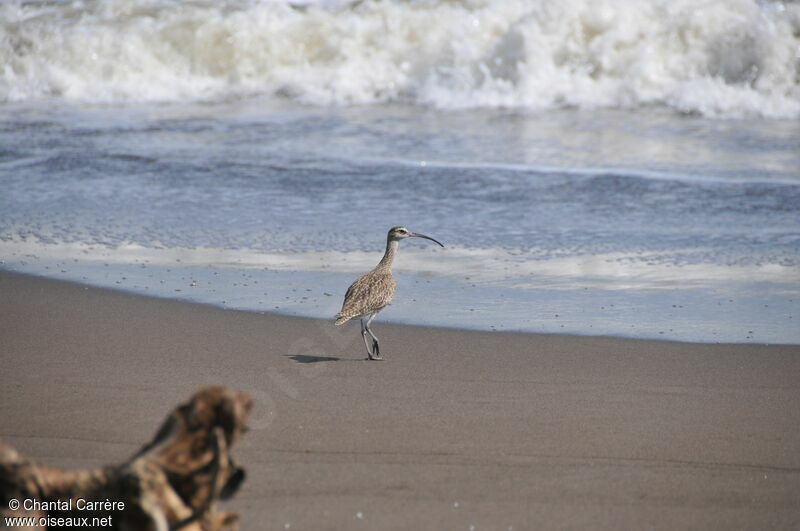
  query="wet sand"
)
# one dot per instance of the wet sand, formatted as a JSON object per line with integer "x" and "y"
{"x": 455, "y": 429}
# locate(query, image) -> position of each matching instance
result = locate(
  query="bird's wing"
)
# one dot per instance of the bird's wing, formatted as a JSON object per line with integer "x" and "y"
{"x": 354, "y": 288}
{"x": 368, "y": 294}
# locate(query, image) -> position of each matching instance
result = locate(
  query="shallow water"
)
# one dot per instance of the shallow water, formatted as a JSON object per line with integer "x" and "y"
{"x": 273, "y": 206}
{"x": 615, "y": 168}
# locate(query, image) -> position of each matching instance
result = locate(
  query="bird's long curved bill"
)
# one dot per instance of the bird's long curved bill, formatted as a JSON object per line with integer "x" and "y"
{"x": 417, "y": 235}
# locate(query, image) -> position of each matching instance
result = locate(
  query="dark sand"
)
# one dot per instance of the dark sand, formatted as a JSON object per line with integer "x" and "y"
{"x": 456, "y": 429}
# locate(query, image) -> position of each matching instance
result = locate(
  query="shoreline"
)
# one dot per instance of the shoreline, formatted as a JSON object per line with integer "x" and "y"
{"x": 737, "y": 315}
{"x": 455, "y": 428}
{"x": 386, "y": 320}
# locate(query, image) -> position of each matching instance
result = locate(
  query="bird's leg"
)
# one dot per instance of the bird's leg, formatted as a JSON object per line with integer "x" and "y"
{"x": 376, "y": 347}
{"x": 364, "y": 337}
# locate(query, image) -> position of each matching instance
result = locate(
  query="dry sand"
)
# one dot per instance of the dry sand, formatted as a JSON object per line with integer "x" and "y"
{"x": 456, "y": 429}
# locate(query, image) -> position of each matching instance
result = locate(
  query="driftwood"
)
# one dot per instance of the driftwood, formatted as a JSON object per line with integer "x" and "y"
{"x": 171, "y": 483}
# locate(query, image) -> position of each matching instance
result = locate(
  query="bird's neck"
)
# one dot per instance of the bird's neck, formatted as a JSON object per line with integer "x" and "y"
{"x": 388, "y": 256}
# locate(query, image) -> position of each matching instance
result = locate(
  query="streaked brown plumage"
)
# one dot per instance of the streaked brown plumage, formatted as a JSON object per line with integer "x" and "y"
{"x": 370, "y": 293}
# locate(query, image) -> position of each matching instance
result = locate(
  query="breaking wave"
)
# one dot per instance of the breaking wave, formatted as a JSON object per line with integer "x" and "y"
{"x": 719, "y": 58}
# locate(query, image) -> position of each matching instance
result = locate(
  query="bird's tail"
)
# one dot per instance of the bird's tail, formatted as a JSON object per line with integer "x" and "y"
{"x": 341, "y": 318}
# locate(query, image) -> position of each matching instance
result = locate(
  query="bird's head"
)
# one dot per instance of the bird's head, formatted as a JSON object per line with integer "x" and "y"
{"x": 399, "y": 233}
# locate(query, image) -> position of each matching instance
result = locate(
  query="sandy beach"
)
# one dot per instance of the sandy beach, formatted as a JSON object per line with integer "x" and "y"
{"x": 455, "y": 430}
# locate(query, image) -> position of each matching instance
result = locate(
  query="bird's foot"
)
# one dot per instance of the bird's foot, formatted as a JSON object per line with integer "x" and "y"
{"x": 376, "y": 352}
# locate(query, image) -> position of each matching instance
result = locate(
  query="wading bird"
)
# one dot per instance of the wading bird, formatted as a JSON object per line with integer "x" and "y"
{"x": 371, "y": 293}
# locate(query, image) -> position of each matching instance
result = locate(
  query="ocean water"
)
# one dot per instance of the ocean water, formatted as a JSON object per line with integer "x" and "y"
{"x": 593, "y": 167}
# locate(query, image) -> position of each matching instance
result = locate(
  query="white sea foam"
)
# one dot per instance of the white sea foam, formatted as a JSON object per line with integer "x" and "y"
{"x": 492, "y": 266}
{"x": 630, "y": 173}
{"x": 719, "y": 58}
